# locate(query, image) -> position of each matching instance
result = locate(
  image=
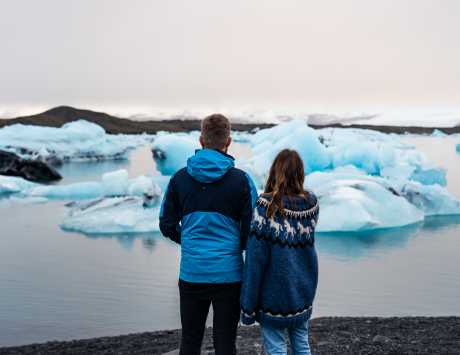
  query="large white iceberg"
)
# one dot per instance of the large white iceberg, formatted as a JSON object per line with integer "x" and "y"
{"x": 78, "y": 140}
{"x": 355, "y": 202}
{"x": 326, "y": 149}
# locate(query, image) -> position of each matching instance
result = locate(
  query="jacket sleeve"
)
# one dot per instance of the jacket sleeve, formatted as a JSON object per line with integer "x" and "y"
{"x": 248, "y": 204}
{"x": 170, "y": 214}
{"x": 257, "y": 257}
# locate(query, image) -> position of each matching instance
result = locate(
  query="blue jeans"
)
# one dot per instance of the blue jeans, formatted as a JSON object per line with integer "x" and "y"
{"x": 275, "y": 339}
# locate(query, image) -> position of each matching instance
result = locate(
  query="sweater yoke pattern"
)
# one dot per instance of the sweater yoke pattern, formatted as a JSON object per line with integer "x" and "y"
{"x": 295, "y": 229}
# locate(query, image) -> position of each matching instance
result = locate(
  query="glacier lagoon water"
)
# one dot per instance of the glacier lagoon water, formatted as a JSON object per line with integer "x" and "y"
{"x": 60, "y": 285}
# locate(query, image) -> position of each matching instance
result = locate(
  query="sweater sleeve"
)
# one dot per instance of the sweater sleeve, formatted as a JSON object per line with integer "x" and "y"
{"x": 170, "y": 214}
{"x": 257, "y": 257}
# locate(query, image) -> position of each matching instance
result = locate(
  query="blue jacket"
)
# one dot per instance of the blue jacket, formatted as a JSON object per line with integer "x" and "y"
{"x": 207, "y": 209}
{"x": 281, "y": 266}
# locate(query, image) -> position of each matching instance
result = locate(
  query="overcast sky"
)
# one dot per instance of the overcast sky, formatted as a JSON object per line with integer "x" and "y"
{"x": 211, "y": 53}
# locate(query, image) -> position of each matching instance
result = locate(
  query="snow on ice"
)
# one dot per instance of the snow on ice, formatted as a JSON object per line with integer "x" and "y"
{"x": 78, "y": 140}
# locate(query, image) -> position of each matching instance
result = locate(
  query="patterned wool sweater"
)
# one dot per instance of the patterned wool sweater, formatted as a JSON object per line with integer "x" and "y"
{"x": 281, "y": 267}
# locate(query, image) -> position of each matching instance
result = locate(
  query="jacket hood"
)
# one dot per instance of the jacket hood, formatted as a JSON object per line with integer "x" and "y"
{"x": 209, "y": 165}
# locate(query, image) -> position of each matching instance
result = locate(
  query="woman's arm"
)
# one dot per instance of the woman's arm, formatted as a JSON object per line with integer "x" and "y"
{"x": 257, "y": 257}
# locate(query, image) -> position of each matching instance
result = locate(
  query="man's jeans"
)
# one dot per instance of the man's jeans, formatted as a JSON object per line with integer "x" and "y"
{"x": 195, "y": 300}
{"x": 275, "y": 339}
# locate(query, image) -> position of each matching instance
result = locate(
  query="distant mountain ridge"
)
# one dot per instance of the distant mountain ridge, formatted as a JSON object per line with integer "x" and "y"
{"x": 60, "y": 115}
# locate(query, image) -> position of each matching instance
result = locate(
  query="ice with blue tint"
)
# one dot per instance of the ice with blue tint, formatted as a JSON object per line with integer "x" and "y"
{"x": 78, "y": 140}
{"x": 438, "y": 133}
{"x": 458, "y": 148}
{"x": 116, "y": 215}
{"x": 13, "y": 184}
{"x": 326, "y": 149}
{"x": 170, "y": 151}
{"x": 116, "y": 183}
{"x": 429, "y": 176}
{"x": 296, "y": 135}
{"x": 364, "y": 180}
{"x": 356, "y": 202}
{"x": 433, "y": 200}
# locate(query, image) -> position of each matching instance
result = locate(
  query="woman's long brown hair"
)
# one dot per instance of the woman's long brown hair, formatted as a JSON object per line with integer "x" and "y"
{"x": 285, "y": 179}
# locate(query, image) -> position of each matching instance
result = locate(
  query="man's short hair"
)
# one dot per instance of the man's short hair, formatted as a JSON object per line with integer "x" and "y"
{"x": 215, "y": 131}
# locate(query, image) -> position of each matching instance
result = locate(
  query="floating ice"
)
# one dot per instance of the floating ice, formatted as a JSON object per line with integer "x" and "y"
{"x": 296, "y": 135}
{"x": 78, "y": 140}
{"x": 111, "y": 216}
{"x": 458, "y": 148}
{"x": 429, "y": 176}
{"x": 356, "y": 202}
{"x": 433, "y": 200}
{"x": 438, "y": 133}
{"x": 171, "y": 151}
{"x": 13, "y": 184}
{"x": 330, "y": 148}
{"x": 115, "y": 183}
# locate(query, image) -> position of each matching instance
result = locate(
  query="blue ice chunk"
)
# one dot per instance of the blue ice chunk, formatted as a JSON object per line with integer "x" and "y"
{"x": 429, "y": 176}
{"x": 438, "y": 133}
{"x": 368, "y": 156}
{"x": 13, "y": 184}
{"x": 170, "y": 151}
{"x": 356, "y": 202}
{"x": 267, "y": 143}
{"x": 431, "y": 199}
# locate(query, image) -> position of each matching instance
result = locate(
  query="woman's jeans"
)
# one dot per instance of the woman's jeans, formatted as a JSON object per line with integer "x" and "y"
{"x": 275, "y": 339}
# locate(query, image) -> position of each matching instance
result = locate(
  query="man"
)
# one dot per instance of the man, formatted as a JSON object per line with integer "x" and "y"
{"x": 207, "y": 209}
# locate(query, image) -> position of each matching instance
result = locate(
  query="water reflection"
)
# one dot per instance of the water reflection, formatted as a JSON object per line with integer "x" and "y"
{"x": 126, "y": 240}
{"x": 346, "y": 245}
{"x": 357, "y": 245}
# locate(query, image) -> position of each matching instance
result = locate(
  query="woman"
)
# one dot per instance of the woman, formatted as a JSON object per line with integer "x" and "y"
{"x": 281, "y": 268}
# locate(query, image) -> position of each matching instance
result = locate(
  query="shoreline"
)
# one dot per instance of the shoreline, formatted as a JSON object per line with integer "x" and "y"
{"x": 328, "y": 335}
{"x": 58, "y": 116}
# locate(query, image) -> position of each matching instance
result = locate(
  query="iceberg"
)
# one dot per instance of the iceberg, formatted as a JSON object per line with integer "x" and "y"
{"x": 116, "y": 183}
{"x": 358, "y": 202}
{"x": 433, "y": 200}
{"x": 76, "y": 141}
{"x": 13, "y": 184}
{"x": 296, "y": 135}
{"x": 171, "y": 151}
{"x": 116, "y": 215}
{"x": 438, "y": 133}
{"x": 327, "y": 149}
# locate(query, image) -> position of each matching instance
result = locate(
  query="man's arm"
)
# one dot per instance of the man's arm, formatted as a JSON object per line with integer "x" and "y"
{"x": 248, "y": 204}
{"x": 170, "y": 213}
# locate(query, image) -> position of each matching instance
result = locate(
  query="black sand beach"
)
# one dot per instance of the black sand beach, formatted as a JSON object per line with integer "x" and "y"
{"x": 58, "y": 116}
{"x": 409, "y": 335}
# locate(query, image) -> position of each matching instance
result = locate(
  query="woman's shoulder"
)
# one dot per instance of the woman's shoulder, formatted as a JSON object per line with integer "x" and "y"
{"x": 302, "y": 202}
